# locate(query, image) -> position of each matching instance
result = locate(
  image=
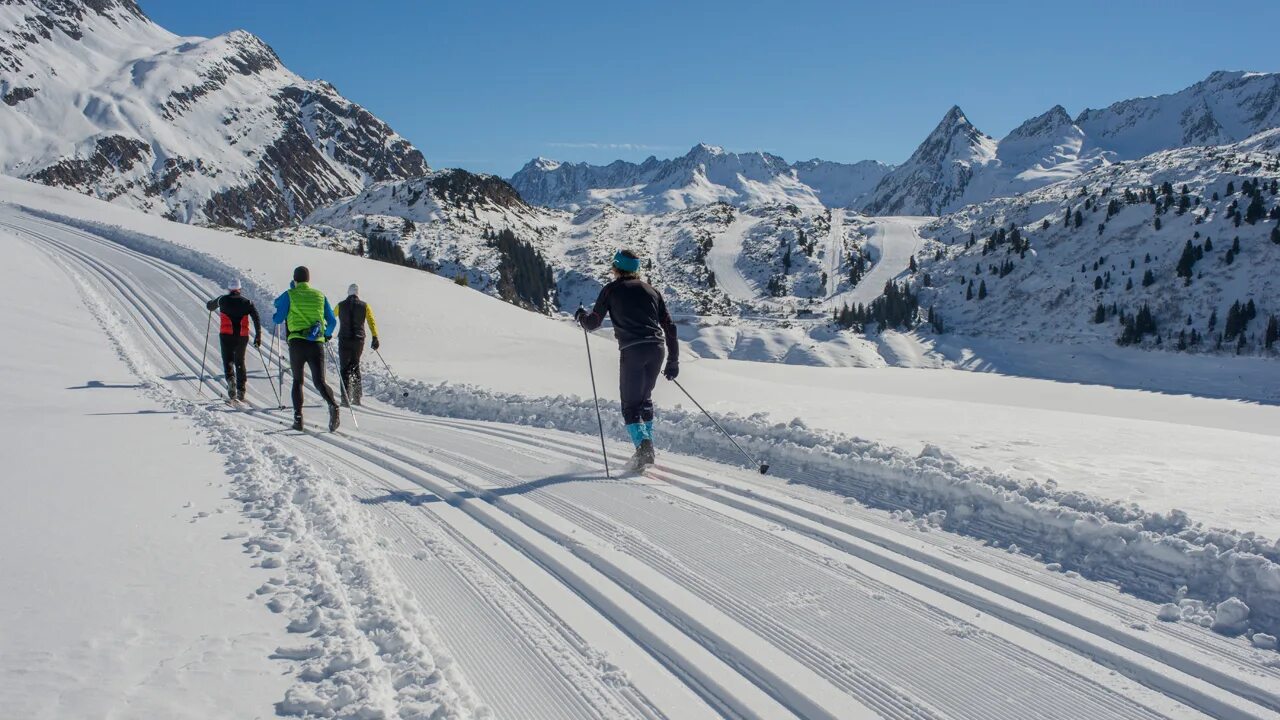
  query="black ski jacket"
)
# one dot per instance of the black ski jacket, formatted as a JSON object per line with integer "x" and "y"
{"x": 639, "y": 315}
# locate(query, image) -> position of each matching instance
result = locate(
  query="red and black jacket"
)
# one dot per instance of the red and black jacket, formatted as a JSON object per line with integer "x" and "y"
{"x": 235, "y": 311}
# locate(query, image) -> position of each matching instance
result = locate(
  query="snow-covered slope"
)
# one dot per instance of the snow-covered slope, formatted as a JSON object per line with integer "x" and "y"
{"x": 704, "y": 175}
{"x": 99, "y": 99}
{"x": 958, "y": 165}
{"x": 460, "y": 554}
{"x": 1112, "y": 238}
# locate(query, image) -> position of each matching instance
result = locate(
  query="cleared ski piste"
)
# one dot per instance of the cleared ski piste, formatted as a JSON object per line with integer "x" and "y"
{"x": 467, "y": 558}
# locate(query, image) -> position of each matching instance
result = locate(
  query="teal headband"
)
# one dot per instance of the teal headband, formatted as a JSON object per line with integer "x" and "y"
{"x": 626, "y": 264}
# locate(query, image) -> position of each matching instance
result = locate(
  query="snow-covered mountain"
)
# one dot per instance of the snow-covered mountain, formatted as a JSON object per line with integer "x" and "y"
{"x": 958, "y": 165}
{"x": 100, "y": 99}
{"x": 1186, "y": 233}
{"x": 704, "y": 175}
{"x": 938, "y": 173}
{"x": 1226, "y": 107}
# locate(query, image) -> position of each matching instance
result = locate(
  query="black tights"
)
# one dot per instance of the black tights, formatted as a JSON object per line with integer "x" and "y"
{"x": 307, "y": 354}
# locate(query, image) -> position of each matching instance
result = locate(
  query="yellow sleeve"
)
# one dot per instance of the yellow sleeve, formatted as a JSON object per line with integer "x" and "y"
{"x": 368, "y": 316}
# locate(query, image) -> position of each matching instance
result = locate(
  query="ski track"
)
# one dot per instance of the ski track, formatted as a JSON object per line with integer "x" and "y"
{"x": 497, "y": 532}
{"x": 723, "y": 256}
{"x": 835, "y": 252}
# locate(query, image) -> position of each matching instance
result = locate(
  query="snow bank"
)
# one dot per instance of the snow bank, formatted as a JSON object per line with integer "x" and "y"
{"x": 1151, "y": 555}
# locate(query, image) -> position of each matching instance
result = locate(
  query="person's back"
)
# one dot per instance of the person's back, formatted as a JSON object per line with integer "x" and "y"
{"x": 636, "y": 310}
{"x": 353, "y": 314}
{"x": 235, "y": 312}
{"x": 310, "y": 322}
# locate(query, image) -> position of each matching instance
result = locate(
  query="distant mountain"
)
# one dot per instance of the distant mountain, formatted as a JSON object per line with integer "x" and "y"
{"x": 957, "y": 165}
{"x": 99, "y": 99}
{"x": 706, "y": 174}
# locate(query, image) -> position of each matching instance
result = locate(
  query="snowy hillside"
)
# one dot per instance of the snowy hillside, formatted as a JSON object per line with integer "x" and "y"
{"x": 958, "y": 165}
{"x": 1185, "y": 233}
{"x": 461, "y": 554}
{"x": 706, "y": 174}
{"x": 99, "y": 99}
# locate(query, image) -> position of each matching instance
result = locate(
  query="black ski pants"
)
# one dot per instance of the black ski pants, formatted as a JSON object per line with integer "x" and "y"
{"x": 349, "y": 352}
{"x": 638, "y": 368}
{"x": 304, "y": 354}
{"x": 233, "y": 351}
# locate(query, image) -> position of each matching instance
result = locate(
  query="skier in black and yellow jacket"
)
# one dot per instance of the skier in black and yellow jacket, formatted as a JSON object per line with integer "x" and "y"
{"x": 353, "y": 313}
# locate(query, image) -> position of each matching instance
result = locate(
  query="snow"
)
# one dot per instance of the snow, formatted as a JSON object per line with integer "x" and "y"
{"x": 667, "y": 571}
{"x": 120, "y": 596}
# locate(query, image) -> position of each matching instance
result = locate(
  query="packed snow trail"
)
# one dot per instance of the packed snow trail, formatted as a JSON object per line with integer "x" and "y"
{"x": 894, "y": 242}
{"x": 693, "y": 591}
{"x": 722, "y": 259}
{"x": 835, "y": 251}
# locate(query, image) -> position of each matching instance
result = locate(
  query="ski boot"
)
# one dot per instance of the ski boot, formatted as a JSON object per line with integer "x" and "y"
{"x": 333, "y": 418}
{"x": 297, "y": 423}
{"x": 643, "y": 457}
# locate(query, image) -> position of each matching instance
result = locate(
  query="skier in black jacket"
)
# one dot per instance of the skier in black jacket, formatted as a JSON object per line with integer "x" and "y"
{"x": 353, "y": 314}
{"x": 642, "y": 327}
{"x": 235, "y": 311}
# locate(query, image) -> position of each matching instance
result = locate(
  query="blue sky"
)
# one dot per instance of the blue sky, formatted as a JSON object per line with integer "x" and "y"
{"x": 489, "y": 85}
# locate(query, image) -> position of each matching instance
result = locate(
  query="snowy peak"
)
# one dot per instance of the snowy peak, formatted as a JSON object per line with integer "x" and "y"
{"x": 706, "y": 174}
{"x": 954, "y": 166}
{"x": 1225, "y": 107}
{"x": 1047, "y": 124}
{"x": 938, "y": 173}
{"x": 99, "y": 99}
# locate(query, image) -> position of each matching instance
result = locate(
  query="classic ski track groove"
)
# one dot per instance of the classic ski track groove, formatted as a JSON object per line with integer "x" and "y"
{"x": 784, "y": 638}
{"x": 844, "y": 533}
{"x": 172, "y": 348}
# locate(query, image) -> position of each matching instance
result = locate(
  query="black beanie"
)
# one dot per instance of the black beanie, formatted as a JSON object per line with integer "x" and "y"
{"x": 301, "y": 274}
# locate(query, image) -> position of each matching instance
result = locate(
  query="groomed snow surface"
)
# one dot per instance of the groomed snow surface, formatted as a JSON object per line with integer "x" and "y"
{"x": 460, "y": 554}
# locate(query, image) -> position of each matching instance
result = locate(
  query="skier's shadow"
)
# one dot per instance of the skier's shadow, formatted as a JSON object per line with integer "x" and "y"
{"x": 412, "y": 498}
{"x": 99, "y": 385}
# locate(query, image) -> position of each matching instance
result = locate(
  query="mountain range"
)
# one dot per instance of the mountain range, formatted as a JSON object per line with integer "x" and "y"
{"x": 956, "y": 165}
{"x": 704, "y": 175}
{"x": 100, "y": 99}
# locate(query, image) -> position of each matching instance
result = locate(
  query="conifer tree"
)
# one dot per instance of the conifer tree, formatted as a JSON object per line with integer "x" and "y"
{"x": 1272, "y": 333}
{"x": 982, "y": 290}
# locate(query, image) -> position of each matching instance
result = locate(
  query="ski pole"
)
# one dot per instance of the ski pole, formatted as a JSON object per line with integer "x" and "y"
{"x": 394, "y": 379}
{"x": 266, "y": 369}
{"x": 208, "y": 325}
{"x": 342, "y": 383}
{"x": 762, "y": 467}
{"x": 284, "y": 349}
{"x": 592, "y": 370}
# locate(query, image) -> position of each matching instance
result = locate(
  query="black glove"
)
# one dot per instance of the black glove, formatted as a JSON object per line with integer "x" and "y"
{"x": 375, "y": 344}
{"x": 257, "y": 341}
{"x": 579, "y": 314}
{"x": 672, "y": 371}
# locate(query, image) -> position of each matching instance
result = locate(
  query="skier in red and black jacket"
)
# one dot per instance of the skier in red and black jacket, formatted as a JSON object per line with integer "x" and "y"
{"x": 235, "y": 312}
{"x": 642, "y": 327}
